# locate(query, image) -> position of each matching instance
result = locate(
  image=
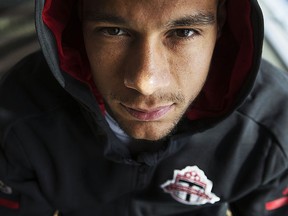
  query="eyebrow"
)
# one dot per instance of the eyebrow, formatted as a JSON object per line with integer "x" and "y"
{"x": 200, "y": 18}
{"x": 193, "y": 20}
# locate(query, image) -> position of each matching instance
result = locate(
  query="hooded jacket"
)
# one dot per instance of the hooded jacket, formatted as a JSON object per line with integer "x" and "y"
{"x": 58, "y": 154}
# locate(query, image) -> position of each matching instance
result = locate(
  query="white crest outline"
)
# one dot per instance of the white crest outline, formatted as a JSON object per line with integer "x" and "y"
{"x": 190, "y": 186}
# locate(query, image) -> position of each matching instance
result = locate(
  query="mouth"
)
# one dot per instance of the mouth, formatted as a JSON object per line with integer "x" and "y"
{"x": 152, "y": 114}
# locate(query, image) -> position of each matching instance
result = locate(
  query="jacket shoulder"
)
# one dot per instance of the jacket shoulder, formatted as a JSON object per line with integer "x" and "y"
{"x": 29, "y": 89}
{"x": 267, "y": 103}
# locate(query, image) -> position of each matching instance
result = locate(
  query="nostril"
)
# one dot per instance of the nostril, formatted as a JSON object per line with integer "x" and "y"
{"x": 145, "y": 85}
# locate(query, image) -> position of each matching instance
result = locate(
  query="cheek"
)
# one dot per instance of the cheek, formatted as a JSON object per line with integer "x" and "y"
{"x": 191, "y": 68}
{"x": 192, "y": 64}
{"x": 105, "y": 65}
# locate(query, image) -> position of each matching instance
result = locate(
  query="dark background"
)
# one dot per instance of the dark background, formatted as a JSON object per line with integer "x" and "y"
{"x": 17, "y": 32}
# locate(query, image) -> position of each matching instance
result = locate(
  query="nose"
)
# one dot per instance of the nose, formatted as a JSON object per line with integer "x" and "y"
{"x": 147, "y": 70}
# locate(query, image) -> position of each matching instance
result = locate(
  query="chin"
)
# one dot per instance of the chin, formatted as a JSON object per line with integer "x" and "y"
{"x": 148, "y": 131}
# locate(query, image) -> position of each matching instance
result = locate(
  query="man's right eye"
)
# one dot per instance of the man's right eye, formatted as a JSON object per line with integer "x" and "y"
{"x": 112, "y": 31}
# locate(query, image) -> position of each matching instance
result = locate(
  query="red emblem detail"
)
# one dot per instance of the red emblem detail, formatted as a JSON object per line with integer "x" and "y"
{"x": 278, "y": 203}
{"x": 9, "y": 204}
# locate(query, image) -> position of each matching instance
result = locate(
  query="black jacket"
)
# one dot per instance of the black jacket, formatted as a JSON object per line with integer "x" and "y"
{"x": 58, "y": 153}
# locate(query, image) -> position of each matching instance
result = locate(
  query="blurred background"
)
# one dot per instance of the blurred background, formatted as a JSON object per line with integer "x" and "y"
{"x": 17, "y": 32}
{"x": 276, "y": 31}
{"x": 18, "y": 36}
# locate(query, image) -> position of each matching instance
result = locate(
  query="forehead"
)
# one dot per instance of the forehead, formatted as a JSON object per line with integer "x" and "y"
{"x": 149, "y": 9}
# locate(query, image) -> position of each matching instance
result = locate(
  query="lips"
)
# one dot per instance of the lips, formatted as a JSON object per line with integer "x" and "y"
{"x": 149, "y": 114}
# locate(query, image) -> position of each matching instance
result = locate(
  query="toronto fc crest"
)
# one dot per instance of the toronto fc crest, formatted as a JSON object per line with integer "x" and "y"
{"x": 190, "y": 186}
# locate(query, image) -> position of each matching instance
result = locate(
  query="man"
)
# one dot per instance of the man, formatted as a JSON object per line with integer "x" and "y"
{"x": 157, "y": 107}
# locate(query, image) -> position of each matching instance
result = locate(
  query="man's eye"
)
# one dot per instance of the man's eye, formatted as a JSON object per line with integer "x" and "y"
{"x": 111, "y": 31}
{"x": 184, "y": 33}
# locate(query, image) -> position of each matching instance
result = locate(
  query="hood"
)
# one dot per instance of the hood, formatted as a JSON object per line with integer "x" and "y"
{"x": 233, "y": 69}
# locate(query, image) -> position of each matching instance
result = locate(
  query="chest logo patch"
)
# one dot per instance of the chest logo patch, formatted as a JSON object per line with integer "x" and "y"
{"x": 190, "y": 186}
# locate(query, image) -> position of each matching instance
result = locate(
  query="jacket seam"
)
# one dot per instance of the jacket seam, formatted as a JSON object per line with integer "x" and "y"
{"x": 10, "y": 126}
{"x": 275, "y": 141}
{"x": 20, "y": 145}
{"x": 271, "y": 134}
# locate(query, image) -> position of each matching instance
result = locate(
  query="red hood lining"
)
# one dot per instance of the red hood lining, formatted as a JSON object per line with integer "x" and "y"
{"x": 231, "y": 64}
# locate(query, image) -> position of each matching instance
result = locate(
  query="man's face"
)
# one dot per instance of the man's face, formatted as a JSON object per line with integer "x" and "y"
{"x": 149, "y": 58}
